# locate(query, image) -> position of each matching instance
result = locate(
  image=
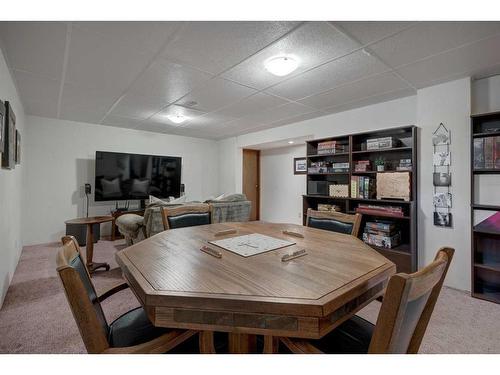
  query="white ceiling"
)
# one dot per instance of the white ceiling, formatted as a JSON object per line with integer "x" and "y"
{"x": 133, "y": 74}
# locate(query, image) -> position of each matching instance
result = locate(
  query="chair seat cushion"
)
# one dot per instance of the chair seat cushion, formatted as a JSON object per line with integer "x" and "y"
{"x": 133, "y": 328}
{"x": 351, "y": 337}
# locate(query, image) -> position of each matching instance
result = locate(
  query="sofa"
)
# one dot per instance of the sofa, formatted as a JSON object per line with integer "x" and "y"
{"x": 230, "y": 208}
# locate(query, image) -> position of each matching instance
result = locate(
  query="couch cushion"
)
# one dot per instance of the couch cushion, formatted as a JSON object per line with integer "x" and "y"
{"x": 188, "y": 220}
{"x": 133, "y": 328}
{"x": 129, "y": 223}
{"x": 331, "y": 225}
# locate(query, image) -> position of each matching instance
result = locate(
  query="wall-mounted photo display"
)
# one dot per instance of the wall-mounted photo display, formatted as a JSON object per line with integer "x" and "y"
{"x": 18, "y": 147}
{"x": 441, "y": 178}
{"x": 299, "y": 165}
{"x": 442, "y": 158}
{"x": 443, "y": 219}
{"x": 442, "y": 200}
{"x": 441, "y": 137}
{"x": 9, "y": 144}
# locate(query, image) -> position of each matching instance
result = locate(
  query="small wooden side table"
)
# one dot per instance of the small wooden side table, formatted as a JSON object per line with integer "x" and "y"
{"x": 89, "y": 222}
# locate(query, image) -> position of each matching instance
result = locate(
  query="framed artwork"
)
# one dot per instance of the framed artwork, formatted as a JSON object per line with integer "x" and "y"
{"x": 8, "y": 155}
{"x": 441, "y": 158}
{"x": 18, "y": 147}
{"x": 442, "y": 219}
{"x": 299, "y": 166}
{"x": 2, "y": 126}
{"x": 442, "y": 200}
{"x": 441, "y": 178}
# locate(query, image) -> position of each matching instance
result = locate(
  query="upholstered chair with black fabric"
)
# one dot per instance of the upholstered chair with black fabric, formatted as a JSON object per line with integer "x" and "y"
{"x": 404, "y": 315}
{"x": 188, "y": 215}
{"x": 334, "y": 221}
{"x": 130, "y": 333}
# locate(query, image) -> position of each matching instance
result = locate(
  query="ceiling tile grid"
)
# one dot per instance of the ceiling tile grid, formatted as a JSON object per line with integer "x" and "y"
{"x": 138, "y": 74}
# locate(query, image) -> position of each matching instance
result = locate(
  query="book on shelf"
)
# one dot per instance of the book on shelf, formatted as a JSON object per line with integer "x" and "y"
{"x": 487, "y": 153}
{"x": 362, "y": 166}
{"x": 331, "y": 147}
{"x": 362, "y": 187}
{"x": 382, "y": 143}
{"x": 371, "y": 209}
{"x": 385, "y": 234}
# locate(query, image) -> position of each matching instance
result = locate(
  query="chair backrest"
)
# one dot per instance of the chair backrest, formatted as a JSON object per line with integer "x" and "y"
{"x": 334, "y": 221}
{"x": 407, "y": 307}
{"x": 82, "y": 297}
{"x": 188, "y": 215}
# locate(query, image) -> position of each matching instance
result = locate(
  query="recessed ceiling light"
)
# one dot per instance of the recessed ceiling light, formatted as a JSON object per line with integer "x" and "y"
{"x": 291, "y": 142}
{"x": 177, "y": 119}
{"x": 281, "y": 65}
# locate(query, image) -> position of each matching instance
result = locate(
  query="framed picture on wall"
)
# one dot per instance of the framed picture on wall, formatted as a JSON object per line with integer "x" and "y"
{"x": 442, "y": 219}
{"x": 299, "y": 166}
{"x": 18, "y": 147}
{"x": 441, "y": 179}
{"x": 8, "y": 154}
{"x": 2, "y": 126}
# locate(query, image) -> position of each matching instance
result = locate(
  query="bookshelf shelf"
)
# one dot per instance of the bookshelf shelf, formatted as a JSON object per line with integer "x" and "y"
{"x": 486, "y": 171}
{"x": 485, "y": 236}
{"x": 404, "y": 255}
{"x": 383, "y": 150}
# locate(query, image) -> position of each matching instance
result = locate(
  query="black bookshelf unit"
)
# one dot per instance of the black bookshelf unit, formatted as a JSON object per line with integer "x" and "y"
{"x": 405, "y": 254}
{"x": 485, "y": 235}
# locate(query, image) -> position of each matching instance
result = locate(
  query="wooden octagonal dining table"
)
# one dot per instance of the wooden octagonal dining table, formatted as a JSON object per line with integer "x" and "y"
{"x": 304, "y": 289}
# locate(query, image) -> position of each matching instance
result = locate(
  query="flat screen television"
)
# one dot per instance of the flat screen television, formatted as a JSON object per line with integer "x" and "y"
{"x": 122, "y": 176}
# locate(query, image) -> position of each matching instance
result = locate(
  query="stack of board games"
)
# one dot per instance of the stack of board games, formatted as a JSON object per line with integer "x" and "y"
{"x": 384, "y": 234}
{"x": 404, "y": 165}
{"x": 331, "y": 147}
{"x": 362, "y": 166}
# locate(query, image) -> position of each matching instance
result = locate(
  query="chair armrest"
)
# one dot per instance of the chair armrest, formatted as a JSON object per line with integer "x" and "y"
{"x": 112, "y": 291}
{"x": 159, "y": 345}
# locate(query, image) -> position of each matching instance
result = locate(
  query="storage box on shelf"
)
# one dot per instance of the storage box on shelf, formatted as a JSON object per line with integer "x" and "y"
{"x": 397, "y": 147}
{"x": 485, "y": 235}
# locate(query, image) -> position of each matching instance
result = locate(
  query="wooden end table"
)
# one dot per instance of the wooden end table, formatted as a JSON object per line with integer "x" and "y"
{"x": 89, "y": 222}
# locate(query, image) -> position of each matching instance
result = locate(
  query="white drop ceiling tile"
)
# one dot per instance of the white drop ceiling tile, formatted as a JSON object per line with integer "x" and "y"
{"x": 37, "y": 88}
{"x": 460, "y": 61}
{"x": 42, "y": 107}
{"x": 375, "y": 99}
{"x": 215, "y": 94}
{"x": 346, "y": 69}
{"x": 312, "y": 44}
{"x": 239, "y": 124}
{"x": 216, "y": 46}
{"x": 370, "y": 31}
{"x": 85, "y": 104}
{"x": 138, "y": 106}
{"x": 36, "y": 47}
{"x": 168, "y": 80}
{"x": 255, "y": 103}
{"x": 143, "y": 36}
{"x": 279, "y": 113}
{"x": 428, "y": 38}
{"x": 356, "y": 91}
{"x": 122, "y": 122}
{"x": 211, "y": 120}
{"x": 96, "y": 61}
{"x": 173, "y": 110}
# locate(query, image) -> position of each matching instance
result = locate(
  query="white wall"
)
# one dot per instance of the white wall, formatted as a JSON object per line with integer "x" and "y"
{"x": 448, "y": 103}
{"x": 10, "y": 189}
{"x": 276, "y": 175}
{"x": 59, "y": 160}
{"x": 486, "y": 95}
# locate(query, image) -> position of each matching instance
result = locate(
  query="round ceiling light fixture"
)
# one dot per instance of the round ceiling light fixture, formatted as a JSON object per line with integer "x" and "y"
{"x": 291, "y": 142}
{"x": 177, "y": 118}
{"x": 281, "y": 65}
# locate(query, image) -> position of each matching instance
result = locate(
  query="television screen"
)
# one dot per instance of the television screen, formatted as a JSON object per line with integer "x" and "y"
{"x": 120, "y": 176}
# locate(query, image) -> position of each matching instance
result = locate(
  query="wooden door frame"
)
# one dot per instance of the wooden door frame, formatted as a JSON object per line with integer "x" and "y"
{"x": 257, "y": 206}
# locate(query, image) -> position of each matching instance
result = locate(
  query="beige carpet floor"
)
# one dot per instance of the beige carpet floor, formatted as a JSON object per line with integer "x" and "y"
{"x": 35, "y": 317}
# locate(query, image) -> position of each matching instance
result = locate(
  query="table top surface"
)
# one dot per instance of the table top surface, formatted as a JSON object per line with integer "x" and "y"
{"x": 90, "y": 220}
{"x": 169, "y": 269}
